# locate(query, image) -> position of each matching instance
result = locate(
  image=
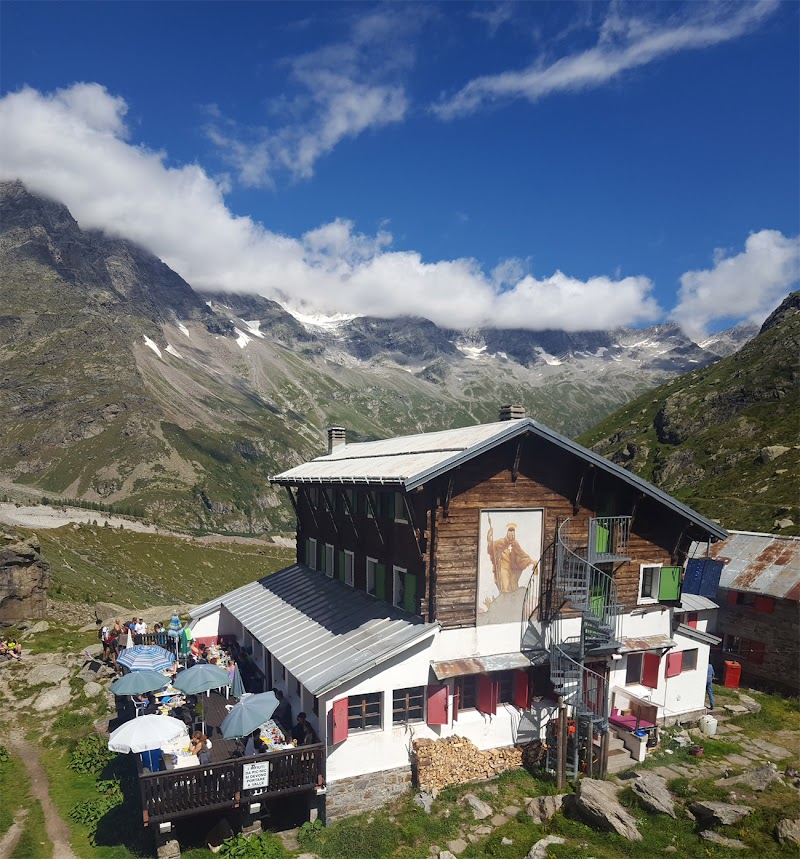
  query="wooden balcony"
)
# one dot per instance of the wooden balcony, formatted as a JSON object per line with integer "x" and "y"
{"x": 194, "y": 790}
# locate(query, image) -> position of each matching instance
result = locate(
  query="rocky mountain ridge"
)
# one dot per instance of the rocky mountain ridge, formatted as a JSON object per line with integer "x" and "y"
{"x": 123, "y": 386}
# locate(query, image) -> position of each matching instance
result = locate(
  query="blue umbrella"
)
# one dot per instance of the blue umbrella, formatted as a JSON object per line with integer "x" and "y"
{"x": 201, "y": 678}
{"x": 138, "y": 682}
{"x": 248, "y": 714}
{"x": 237, "y": 687}
{"x": 146, "y": 656}
{"x": 175, "y": 627}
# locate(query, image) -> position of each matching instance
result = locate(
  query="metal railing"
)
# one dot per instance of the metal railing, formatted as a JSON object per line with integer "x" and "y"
{"x": 609, "y": 537}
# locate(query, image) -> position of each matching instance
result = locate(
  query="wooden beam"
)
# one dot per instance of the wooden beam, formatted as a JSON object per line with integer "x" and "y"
{"x": 449, "y": 494}
{"x": 515, "y": 466}
{"x": 331, "y": 513}
{"x": 410, "y": 516}
{"x": 576, "y": 505}
{"x": 349, "y": 511}
{"x": 304, "y": 491}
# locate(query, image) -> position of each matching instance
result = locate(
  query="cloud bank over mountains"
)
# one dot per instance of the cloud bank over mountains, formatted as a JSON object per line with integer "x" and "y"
{"x": 73, "y": 145}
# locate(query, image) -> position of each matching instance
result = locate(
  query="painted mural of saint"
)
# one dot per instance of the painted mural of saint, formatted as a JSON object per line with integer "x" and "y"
{"x": 509, "y": 560}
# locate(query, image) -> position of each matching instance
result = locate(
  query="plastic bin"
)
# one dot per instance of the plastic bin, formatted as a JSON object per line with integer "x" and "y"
{"x": 708, "y": 725}
{"x": 733, "y": 672}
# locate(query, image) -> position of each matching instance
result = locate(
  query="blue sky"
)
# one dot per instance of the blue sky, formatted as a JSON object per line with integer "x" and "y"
{"x": 534, "y": 164}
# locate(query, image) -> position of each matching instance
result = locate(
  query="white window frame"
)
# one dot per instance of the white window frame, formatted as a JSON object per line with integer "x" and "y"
{"x": 654, "y": 586}
{"x": 315, "y": 564}
{"x": 696, "y": 651}
{"x": 370, "y": 579}
{"x": 349, "y": 567}
{"x": 398, "y": 579}
{"x": 400, "y": 509}
{"x": 329, "y": 560}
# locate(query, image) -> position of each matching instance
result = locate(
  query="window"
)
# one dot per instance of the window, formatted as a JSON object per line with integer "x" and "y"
{"x": 399, "y": 587}
{"x": 658, "y": 583}
{"x": 633, "y": 673}
{"x": 364, "y": 711}
{"x": 372, "y": 563}
{"x": 311, "y": 553}
{"x": 348, "y": 568}
{"x": 313, "y": 497}
{"x": 408, "y": 705}
{"x": 466, "y": 690}
{"x": 745, "y": 648}
{"x": 505, "y": 687}
{"x": 400, "y": 513}
{"x": 386, "y": 505}
{"x": 689, "y": 661}
{"x": 329, "y": 560}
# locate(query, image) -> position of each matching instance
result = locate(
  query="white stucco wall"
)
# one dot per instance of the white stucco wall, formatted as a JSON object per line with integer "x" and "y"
{"x": 206, "y": 626}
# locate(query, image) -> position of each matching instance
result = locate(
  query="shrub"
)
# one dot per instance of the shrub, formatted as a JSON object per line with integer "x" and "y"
{"x": 90, "y": 755}
{"x": 90, "y": 812}
{"x": 265, "y": 846}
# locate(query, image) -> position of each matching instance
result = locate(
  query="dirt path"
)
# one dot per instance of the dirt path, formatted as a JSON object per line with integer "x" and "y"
{"x": 9, "y": 841}
{"x": 57, "y": 831}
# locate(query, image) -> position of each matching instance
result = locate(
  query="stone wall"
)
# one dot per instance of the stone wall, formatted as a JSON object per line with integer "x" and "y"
{"x": 778, "y": 630}
{"x": 24, "y": 578}
{"x": 365, "y": 792}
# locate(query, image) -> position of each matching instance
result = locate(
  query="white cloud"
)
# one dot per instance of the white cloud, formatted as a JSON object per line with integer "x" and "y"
{"x": 747, "y": 286}
{"x": 344, "y": 89}
{"x": 494, "y": 15}
{"x": 622, "y": 44}
{"x": 72, "y": 145}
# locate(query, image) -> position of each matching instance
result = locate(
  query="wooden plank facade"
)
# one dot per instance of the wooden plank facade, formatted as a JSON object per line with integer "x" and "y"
{"x": 438, "y": 546}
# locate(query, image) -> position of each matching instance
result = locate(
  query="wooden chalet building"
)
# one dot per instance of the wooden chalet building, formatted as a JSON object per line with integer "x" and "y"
{"x": 461, "y": 582}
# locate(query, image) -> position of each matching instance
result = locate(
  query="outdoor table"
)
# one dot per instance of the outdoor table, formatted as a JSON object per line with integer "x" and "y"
{"x": 273, "y": 736}
{"x": 177, "y": 755}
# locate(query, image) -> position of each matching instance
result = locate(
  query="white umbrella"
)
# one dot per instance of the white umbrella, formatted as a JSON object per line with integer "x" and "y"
{"x": 146, "y": 733}
{"x": 129, "y": 640}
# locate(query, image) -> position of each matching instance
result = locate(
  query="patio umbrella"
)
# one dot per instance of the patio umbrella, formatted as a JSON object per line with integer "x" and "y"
{"x": 248, "y": 714}
{"x": 129, "y": 639}
{"x": 146, "y": 733}
{"x": 146, "y": 656}
{"x": 175, "y": 627}
{"x": 201, "y": 678}
{"x": 138, "y": 682}
{"x": 186, "y": 637}
{"x": 236, "y": 684}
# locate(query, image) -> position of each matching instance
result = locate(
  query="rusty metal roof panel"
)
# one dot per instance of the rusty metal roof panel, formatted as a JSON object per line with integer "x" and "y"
{"x": 482, "y": 665}
{"x": 760, "y": 563}
{"x": 646, "y": 642}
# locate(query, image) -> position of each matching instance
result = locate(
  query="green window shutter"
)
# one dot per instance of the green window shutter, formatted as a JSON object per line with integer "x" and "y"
{"x": 308, "y": 554}
{"x": 669, "y": 585}
{"x": 602, "y": 540}
{"x": 340, "y": 553}
{"x": 410, "y": 594}
{"x": 380, "y": 581}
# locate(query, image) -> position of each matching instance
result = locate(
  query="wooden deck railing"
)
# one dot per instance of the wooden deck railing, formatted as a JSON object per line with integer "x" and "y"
{"x": 193, "y": 790}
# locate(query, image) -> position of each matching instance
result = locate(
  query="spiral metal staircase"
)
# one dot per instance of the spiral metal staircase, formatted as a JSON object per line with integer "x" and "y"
{"x": 585, "y": 620}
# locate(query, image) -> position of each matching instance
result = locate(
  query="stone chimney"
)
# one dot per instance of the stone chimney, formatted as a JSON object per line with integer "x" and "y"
{"x": 337, "y": 437}
{"x": 511, "y": 413}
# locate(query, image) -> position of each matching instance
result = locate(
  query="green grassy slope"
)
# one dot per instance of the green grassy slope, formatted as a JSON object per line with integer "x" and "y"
{"x": 702, "y": 436}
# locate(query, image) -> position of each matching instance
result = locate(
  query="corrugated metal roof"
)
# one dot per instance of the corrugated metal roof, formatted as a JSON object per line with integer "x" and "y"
{"x": 409, "y": 461}
{"x": 759, "y": 563}
{"x": 646, "y": 642}
{"x": 696, "y": 634}
{"x": 694, "y": 602}
{"x": 321, "y": 630}
{"x": 482, "y": 665}
{"x": 205, "y": 608}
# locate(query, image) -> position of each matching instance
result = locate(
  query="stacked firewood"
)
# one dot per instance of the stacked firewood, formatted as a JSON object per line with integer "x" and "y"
{"x": 455, "y": 760}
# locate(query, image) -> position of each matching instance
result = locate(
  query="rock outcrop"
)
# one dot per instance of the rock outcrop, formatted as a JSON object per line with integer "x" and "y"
{"x": 24, "y": 578}
{"x": 596, "y": 802}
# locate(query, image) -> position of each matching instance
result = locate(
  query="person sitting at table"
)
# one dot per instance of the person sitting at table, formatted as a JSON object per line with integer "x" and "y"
{"x": 299, "y": 730}
{"x": 255, "y": 745}
{"x": 198, "y": 743}
{"x": 309, "y": 737}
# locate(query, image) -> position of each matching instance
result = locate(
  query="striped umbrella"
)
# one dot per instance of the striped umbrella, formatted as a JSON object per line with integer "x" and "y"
{"x": 146, "y": 656}
{"x": 175, "y": 627}
{"x": 138, "y": 682}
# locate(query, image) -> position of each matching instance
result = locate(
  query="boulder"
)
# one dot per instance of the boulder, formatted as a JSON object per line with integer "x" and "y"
{"x": 446, "y": 854}
{"x": 716, "y": 838}
{"x": 39, "y": 626}
{"x": 788, "y": 831}
{"x": 92, "y": 689}
{"x": 597, "y": 803}
{"x": 52, "y": 699}
{"x": 424, "y": 799}
{"x": 457, "y": 846}
{"x": 759, "y": 778}
{"x": 480, "y": 809}
{"x": 719, "y": 812}
{"x": 542, "y": 808}
{"x": 24, "y": 578}
{"x": 47, "y": 673}
{"x": 653, "y": 793}
{"x": 773, "y": 451}
{"x": 539, "y": 850}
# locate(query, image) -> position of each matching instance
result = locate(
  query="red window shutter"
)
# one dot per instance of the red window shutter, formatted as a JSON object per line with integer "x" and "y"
{"x": 521, "y": 694}
{"x": 692, "y": 620}
{"x": 765, "y": 604}
{"x": 456, "y": 701}
{"x": 650, "y": 667}
{"x": 339, "y": 720}
{"x": 674, "y": 664}
{"x": 757, "y": 652}
{"x": 487, "y": 695}
{"x": 437, "y": 705}
{"x": 732, "y": 595}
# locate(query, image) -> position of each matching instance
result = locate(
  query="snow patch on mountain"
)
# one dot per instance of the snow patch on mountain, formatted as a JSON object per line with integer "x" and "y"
{"x": 548, "y": 359}
{"x": 254, "y": 327}
{"x": 173, "y": 351}
{"x": 330, "y": 322}
{"x": 184, "y": 330}
{"x": 151, "y": 345}
{"x": 472, "y": 352}
{"x": 242, "y": 339}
